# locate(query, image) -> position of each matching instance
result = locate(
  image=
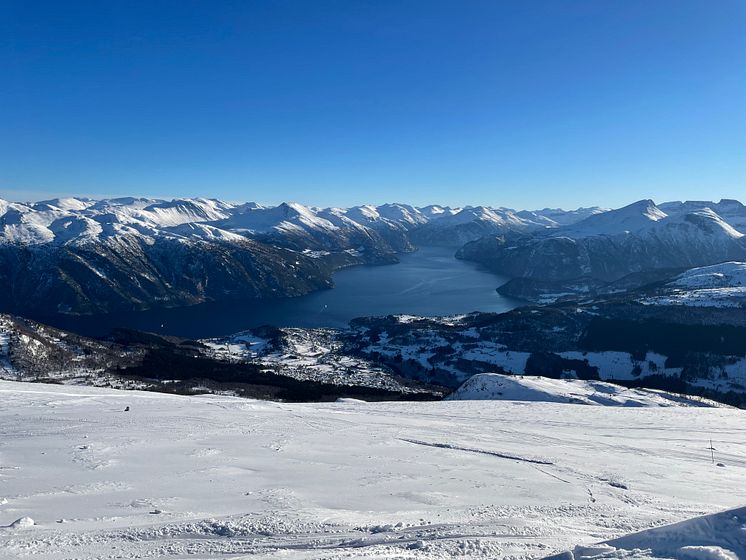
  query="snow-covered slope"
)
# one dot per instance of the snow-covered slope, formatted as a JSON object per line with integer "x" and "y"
{"x": 473, "y": 223}
{"x": 719, "y": 536}
{"x": 729, "y": 274}
{"x": 286, "y": 216}
{"x": 631, "y": 218}
{"x": 719, "y": 285}
{"x": 495, "y": 386}
{"x": 40, "y": 222}
{"x": 555, "y": 217}
{"x": 435, "y": 211}
{"x": 732, "y": 211}
{"x": 217, "y": 477}
{"x": 32, "y": 223}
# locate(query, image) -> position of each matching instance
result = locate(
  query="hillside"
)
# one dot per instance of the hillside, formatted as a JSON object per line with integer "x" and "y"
{"x": 215, "y": 477}
{"x": 495, "y": 386}
{"x": 609, "y": 246}
{"x": 720, "y": 285}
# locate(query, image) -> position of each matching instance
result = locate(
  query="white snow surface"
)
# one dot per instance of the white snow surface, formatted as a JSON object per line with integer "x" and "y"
{"x": 495, "y": 386}
{"x": 718, "y": 285}
{"x": 720, "y": 536}
{"x": 82, "y": 220}
{"x": 722, "y": 275}
{"x": 221, "y": 477}
{"x": 634, "y": 217}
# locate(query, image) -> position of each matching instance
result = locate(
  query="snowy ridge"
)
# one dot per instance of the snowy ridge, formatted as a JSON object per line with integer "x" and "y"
{"x": 732, "y": 211}
{"x": 716, "y": 276}
{"x": 495, "y": 386}
{"x": 555, "y": 217}
{"x": 631, "y": 218}
{"x": 719, "y": 285}
{"x": 719, "y": 536}
{"x": 50, "y": 221}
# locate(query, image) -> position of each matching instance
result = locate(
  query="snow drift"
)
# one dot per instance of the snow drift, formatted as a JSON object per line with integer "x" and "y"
{"x": 496, "y": 386}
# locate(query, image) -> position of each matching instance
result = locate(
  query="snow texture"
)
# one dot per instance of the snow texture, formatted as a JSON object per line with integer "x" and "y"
{"x": 720, "y": 536}
{"x": 215, "y": 477}
{"x": 494, "y": 386}
{"x": 719, "y": 285}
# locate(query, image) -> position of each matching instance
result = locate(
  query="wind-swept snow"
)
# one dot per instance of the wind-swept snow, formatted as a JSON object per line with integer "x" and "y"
{"x": 720, "y": 536}
{"x": 495, "y": 386}
{"x": 216, "y": 477}
{"x": 718, "y": 285}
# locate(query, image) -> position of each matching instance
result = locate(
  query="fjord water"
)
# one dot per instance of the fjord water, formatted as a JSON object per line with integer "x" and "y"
{"x": 428, "y": 282}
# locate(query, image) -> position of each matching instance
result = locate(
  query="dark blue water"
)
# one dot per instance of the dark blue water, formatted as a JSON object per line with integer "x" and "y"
{"x": 428, "y": 282}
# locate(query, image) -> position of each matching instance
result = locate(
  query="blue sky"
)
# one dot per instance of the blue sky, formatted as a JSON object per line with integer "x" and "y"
{"x": 508, "y": 103}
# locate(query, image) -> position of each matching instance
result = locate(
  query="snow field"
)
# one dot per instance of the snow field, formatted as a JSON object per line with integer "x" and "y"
{"x": 209, "y": 476}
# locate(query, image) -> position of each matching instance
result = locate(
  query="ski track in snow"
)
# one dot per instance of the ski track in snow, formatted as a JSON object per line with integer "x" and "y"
{"x": 217, "y": 477}
{"x": 482, "y": 451}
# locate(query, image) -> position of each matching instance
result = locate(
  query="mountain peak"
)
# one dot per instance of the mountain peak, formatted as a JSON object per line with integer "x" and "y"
{"x": 630, "y": 218}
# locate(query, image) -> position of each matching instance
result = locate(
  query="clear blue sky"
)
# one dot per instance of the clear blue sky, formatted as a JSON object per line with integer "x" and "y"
{"x": 516, "y": 103}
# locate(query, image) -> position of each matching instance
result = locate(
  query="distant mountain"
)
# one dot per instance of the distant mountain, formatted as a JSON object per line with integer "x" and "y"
{"x": 556, "y": 217}
{"x": 469, "y": 224}
{"x": 393, "y": 231}
{"x": 291, "y": 225}
{"x": 631, "y": 218}
{"x": 732, "y": 211}
{"x": 611, "y": 245}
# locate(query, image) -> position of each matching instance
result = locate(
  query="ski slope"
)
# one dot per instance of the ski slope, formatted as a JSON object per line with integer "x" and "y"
{"x": 221, "y": 477}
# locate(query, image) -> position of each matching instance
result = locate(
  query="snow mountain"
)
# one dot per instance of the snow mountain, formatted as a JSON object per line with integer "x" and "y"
{"x": 631, "y": 218}
{"x": 611, "y": 245}
{"x": 495, "y": 386}
{"x": 471, "y": 223}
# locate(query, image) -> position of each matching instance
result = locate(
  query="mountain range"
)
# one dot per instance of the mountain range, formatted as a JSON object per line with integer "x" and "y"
{"x": 78, "y": 255}
{"x": 609, "y": 246}
{"x": 66, "y": 221}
